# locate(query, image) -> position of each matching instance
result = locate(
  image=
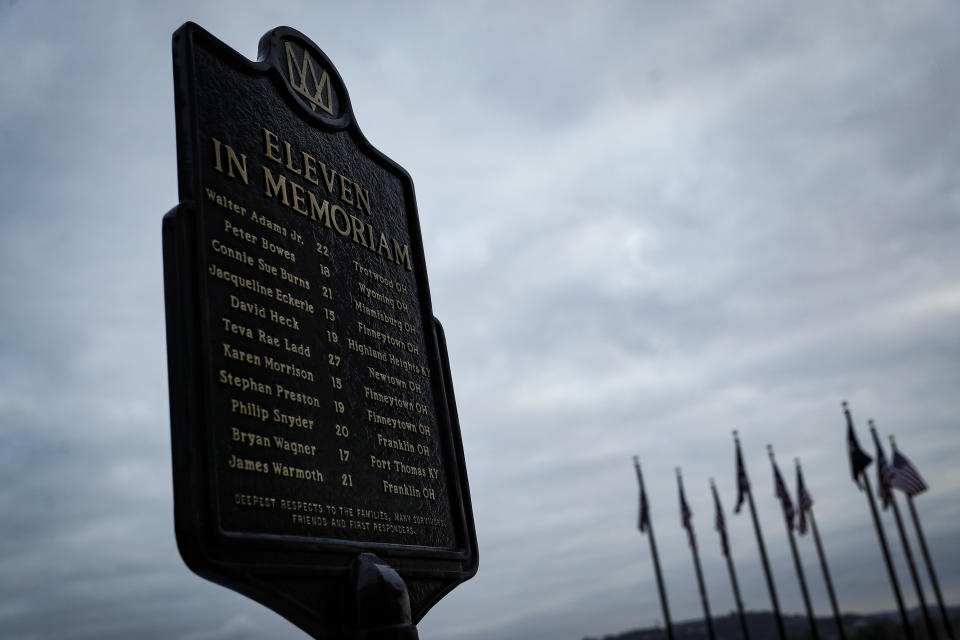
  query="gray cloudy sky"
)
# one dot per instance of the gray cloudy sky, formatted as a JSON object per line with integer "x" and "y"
{"x": 646, "y": 224}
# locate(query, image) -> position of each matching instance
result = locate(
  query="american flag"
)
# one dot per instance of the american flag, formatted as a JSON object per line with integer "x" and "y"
{"x": 804, "y": 502}
{"x": 720, "y": 524}
{"x": 883, "y": 475}
{"x": 686, "y": 516}
{"x": 743, "y": 482}
{"x": 904, "y": 476}
{"x": 784, "y": 495}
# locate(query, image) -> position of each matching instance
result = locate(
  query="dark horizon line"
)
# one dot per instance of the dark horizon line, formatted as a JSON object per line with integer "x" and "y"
{"x": 952, "y": 610}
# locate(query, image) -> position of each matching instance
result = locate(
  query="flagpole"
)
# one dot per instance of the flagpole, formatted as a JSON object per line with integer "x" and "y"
{"x": 736, "y": 595}
{"x": 933, "y": 575}
{"x": 696, "y": 566}
{"x": 656, "y": 558}
{"x": 763, "y": 556}
{"x": 787, "y": 521}
{"x": 931, "y": 631}
{"x": 826, "y": 571}
{"x": 730, "y": 569}
{"x": 907, "y": 629}
{"x": 926, "y": 557}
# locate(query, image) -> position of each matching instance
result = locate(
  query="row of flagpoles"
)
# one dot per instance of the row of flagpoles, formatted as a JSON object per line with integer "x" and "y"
{"x": 899, "y": 474}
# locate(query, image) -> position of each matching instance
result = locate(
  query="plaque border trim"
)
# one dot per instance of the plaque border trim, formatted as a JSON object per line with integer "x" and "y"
{"x": 254, "y": 563}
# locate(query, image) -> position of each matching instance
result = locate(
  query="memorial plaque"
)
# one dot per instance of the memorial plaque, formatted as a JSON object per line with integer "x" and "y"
{"x": 312, "y": 413}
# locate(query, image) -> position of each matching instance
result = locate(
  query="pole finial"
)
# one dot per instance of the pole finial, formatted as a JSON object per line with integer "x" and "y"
{"x": 873, "y": 428}
{"x": 893, "y": 441}
{"x": 844, "y": 405}
{"x": 770, "y": 449}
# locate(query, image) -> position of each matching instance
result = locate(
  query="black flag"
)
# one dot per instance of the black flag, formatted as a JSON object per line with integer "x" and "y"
{"x": 804, "y": 502}
{"x": 743, "y": 482}
{"x": 859, "y": 460}
{"x": 644, "y": 522}
{"x": 858, "y": 463}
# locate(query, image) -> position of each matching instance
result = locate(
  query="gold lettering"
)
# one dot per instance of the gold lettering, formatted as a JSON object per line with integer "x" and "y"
{"x": 286, "y": 471}
{"x": 310, "y": 168}
{"x": 290, "y": 166}
{"x": 319, "y": 212}
{"x": 243, "y": 464}
{"x": 363, "y": 198}
{"x": 345, "y": 230}
{"x": 402, "y": 254}
{"x": 358, "y": 231}
{"x": 249, "y": 500}
{"x": 272, "y": 147}
{"x": 279, "y": 186}
{"x": 322, "y": 96}
{"x": 298, "y": 198}
{"x": 283, "y": 152}
{"x": 328, "y": 178}
{"x": 217, "y": 164}
{"x": 385, "y": 245}
{"x": 269, "y": 224}
{"x": 346, "y": 190}
{"x": 232, "y": 161}
{"x": 332, "y": 216}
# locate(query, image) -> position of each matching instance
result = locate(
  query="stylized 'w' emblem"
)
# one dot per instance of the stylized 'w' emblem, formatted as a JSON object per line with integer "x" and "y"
{"x": 304, "y": 70}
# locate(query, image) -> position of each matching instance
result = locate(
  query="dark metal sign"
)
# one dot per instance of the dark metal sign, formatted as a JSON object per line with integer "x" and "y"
{"x": 312, "y": 412}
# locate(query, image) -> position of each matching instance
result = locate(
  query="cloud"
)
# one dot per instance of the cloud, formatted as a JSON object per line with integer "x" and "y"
{"x": 645, "y": 226}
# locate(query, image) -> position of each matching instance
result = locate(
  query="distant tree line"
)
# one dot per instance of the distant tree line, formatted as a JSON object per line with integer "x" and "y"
{"x": 880, "y": 626}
